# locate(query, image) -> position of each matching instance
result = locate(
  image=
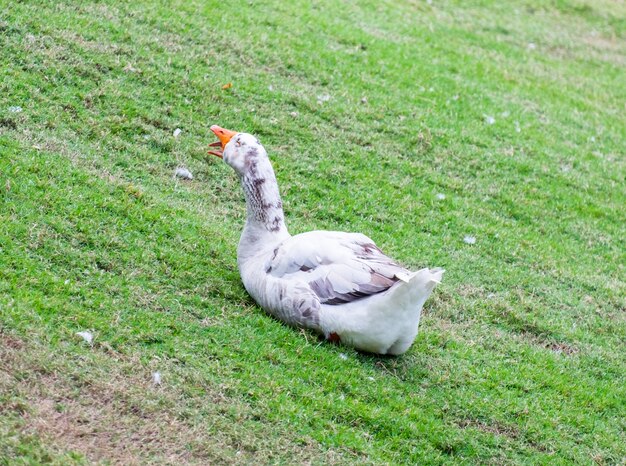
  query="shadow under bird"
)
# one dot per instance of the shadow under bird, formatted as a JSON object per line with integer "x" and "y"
{"x": 338, "y": 284}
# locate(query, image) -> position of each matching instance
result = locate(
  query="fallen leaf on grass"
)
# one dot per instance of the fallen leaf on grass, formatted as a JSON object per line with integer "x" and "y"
{"x": 227, "y": 86}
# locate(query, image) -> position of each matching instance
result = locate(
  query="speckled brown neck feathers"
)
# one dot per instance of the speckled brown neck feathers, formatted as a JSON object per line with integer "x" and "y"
{"x": 263, "y": 202}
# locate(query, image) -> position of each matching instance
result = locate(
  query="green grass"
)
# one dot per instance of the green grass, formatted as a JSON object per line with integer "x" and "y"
{"x": 521, "y": 356}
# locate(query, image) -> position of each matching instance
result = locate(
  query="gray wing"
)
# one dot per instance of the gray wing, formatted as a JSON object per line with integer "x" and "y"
{"x": 338, "y": 267}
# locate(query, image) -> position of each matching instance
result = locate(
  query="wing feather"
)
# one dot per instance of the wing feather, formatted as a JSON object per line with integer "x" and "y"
{"x": 338, "y": 267}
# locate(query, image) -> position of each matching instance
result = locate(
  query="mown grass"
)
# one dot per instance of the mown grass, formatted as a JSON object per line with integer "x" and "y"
{"x": 513, "y": 110}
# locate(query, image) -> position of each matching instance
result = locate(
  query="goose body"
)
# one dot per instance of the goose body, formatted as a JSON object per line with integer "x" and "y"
{"x": 338, "y": 284}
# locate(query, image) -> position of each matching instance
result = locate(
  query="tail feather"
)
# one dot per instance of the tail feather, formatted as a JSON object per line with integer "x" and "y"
{"x": 436, "y": 274}
{"x": 417, "y": 286}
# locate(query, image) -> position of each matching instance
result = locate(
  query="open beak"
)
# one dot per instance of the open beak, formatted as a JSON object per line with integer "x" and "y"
{"x": 224, "y": 136}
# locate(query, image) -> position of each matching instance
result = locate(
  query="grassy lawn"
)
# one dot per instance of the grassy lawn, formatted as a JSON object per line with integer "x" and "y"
{"x": 417, "y": 123}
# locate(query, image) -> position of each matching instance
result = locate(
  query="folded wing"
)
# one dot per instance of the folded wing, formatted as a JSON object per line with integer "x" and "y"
{"x": 339, "y": 267}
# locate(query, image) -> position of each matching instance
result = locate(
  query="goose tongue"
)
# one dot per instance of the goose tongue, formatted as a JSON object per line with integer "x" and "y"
{"x": 224, "y": 136}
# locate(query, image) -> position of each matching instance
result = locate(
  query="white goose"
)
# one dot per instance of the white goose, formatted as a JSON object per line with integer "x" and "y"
{"x": 338, "y": 284}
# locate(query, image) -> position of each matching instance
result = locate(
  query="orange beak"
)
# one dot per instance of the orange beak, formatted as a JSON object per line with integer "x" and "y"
{"x": 224, "y": 136}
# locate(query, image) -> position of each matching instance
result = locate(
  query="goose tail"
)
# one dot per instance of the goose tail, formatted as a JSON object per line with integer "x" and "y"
{"x": 386, "y": 323}
{"x": 407, "y": 302}
{"x": 423, "y": 280}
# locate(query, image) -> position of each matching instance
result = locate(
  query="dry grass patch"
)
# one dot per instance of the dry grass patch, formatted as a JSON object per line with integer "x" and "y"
{"x": 107, "y": 409}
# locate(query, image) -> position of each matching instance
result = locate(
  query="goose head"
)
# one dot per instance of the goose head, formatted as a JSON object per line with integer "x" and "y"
{"x": 239, "y": 150}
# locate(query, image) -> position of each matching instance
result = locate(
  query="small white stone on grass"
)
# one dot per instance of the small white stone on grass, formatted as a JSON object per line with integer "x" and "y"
{"x": 440, "y": 196}
{"x": 468, "y": 239}
{"x": 177, "y": 132}
{"x": 343, "y": 356}
{"x": 156, "y": 378}
{"x": 363, "y": 100}
{"x": 293, "y": 114}
{"x": 270, "y": 88}
{"x": 183, "y": 173}
{"x": 532, "y": 46}
{"x": 372, "y": 379}
{"x": 86, "y": 336}
{"x": 15, "y": 109}
{"x": 489, "y": 120}
{"x": 518, "y": 129}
